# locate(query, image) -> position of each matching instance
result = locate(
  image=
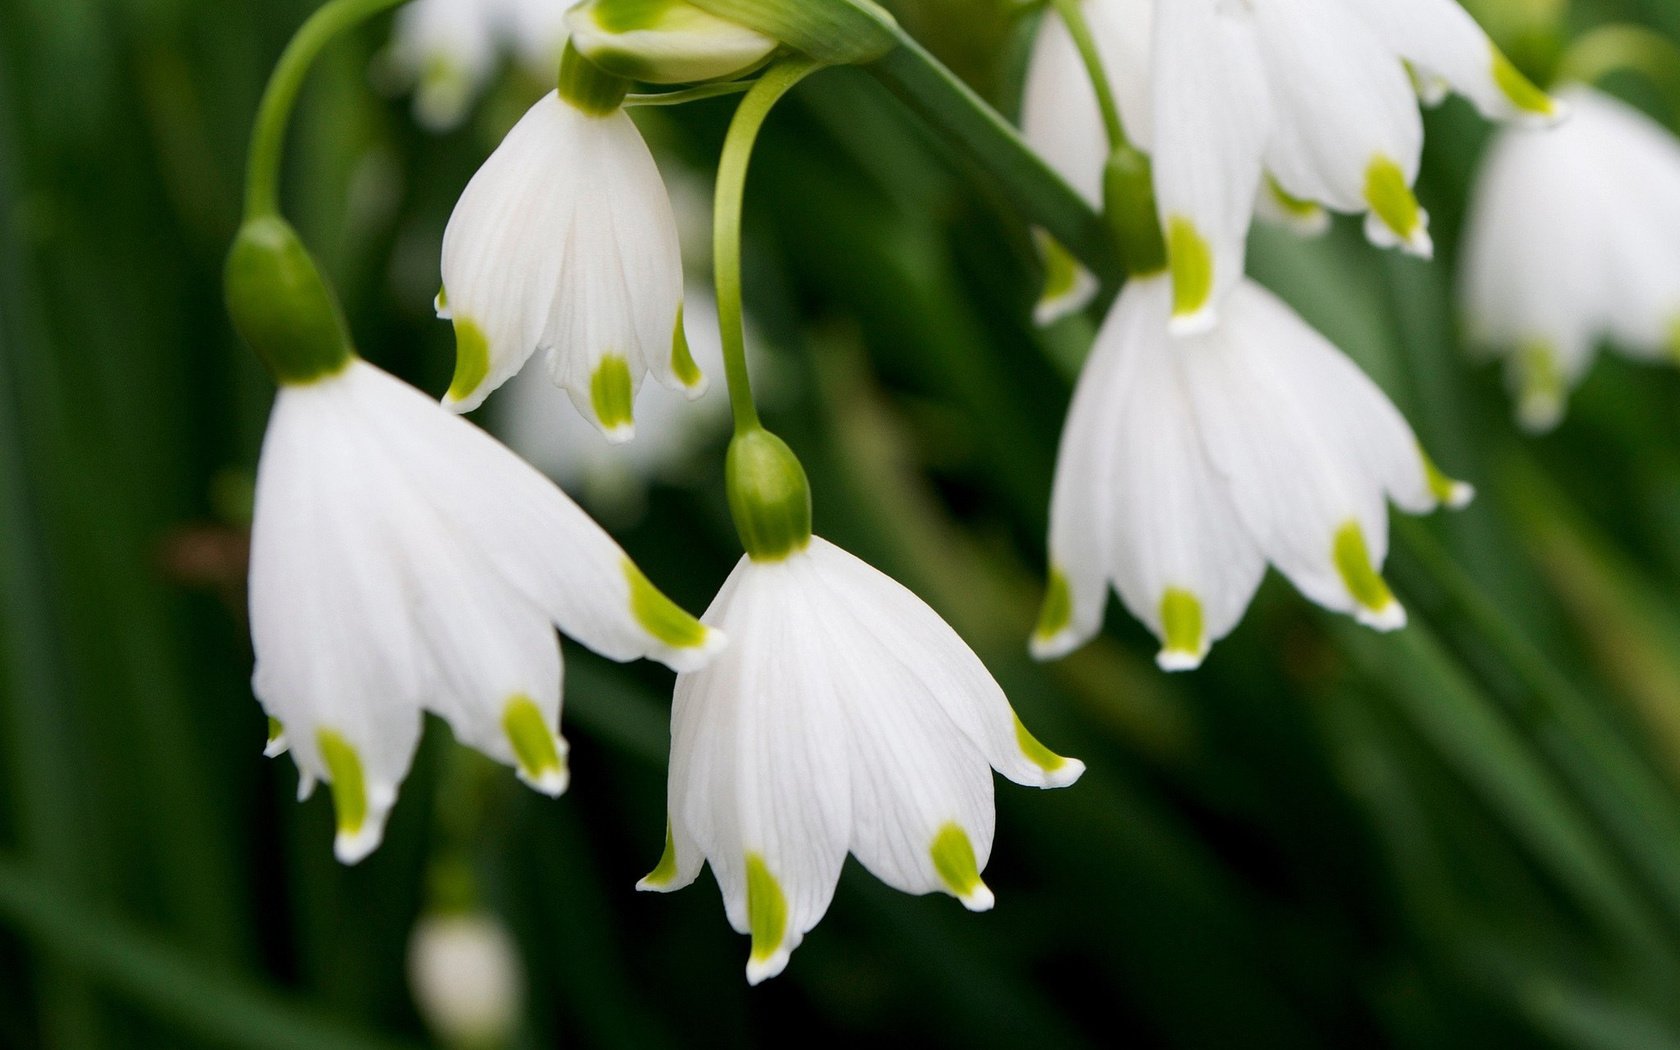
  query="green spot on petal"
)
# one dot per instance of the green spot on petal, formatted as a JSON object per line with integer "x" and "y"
{"x": 1061, "y": 269}
{"x": 1057, "y": 612}
{"x": 611, "y": 393}
{"x": 682, "y": 359}
{"x": 1540, "y": 386}
{"x": 532, "y": 741}
{"x": 1181, "y": 623}
{"x": 349, "y": 787}
{"x": 275, "y": 730}
{"x": 1444, "y": 489}
{"x": 472, "y": 359}
{"x": 1353, "y": 562}
{"x": 1298, "y": 209}
{"x": 666, "y": 869}
{"x": 659, "y": 615}
{"x": 767, "y": 910}
{"x": 1036, "y": 753}
{"x": 953, "y": 859}
{"x": 1520, "y": 90}
{"x": 1191, "y": 262}
{"x": 1391, "y": 199}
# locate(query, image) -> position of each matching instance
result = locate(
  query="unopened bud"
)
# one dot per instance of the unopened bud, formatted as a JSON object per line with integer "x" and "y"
{"x": 466, "y": 978}
{"x": 665, "y": 41}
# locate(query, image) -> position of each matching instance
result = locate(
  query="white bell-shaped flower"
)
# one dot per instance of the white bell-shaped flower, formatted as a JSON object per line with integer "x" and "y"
{"x": 565, "y": 242}
{"x": 466, "y": 978}
{"x": 1188, "y": 464}
{"x": 1572, "y": 240}
{"x": 445, "y": 50}
{"x": 846, "y": 716}
{"x": 404, "y": 561}
{"x": 1284, "y": 107}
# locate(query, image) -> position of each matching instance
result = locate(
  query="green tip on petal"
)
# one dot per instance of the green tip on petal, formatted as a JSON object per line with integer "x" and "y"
{"x": 1306, "y": 218}
{"x": 1068, "y": 286}
{"x": 1394, "y": 208}
{"x": 1059, "y": 771}
{"x": 1541, "y": 389}
{"x": 1055, "y": 616}
{"x": 665, "y": 871}
{"x": 1447, "y": 492}
{"x": 1190, "y": 260}
{"x": 1376, "y": 606}
{"x": 767, "y": 915}
{"x": 663, "y": 619}
{"x": 472, "y": 360}
{"x": 682, "y": 360}
{"x": 276, "y": 744}
{"x": 1520, "y": 91}
{"x": 541, "y": 754}
{"x": 953, "y": 859}
{"x": 349, "y": 791}
{"x": 1185, "y": 638}
{"x": 612, "y": 395}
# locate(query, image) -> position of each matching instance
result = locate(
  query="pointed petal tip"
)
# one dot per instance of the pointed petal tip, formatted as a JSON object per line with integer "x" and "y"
{"x": 1461, "y": 495}
{"x": 619, "y": 434}
{"x": 1201, "y": 322}
{"x": 1387, "y": 618}
{"x": 979, "y": 898}
{"x": 1175, "y": 661}
{"x": 275, "y": 746}
{"x": 1064, "y": 775}
{"x": 552, "y": 781}
{"x": 1045, "y": 648}
{"x": 352, "y": 847}
{"x": 695, "y": 657}
{"x": 306, "y": 785}
{"x": 1539, "y": 414}
{"x": 696, "y": 390}
{"x": 761, "y": 970}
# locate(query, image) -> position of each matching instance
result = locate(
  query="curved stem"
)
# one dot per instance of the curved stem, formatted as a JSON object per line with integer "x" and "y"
{"x": 726, "y": 232}
{"x": 693, "y": 94}
{"x": 262, "y": 173}
{"x": 1073, "y": 16}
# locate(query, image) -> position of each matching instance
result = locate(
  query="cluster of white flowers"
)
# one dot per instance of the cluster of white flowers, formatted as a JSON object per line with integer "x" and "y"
{"x": 1213, "y": 431}
{"x": 404, "y": 562}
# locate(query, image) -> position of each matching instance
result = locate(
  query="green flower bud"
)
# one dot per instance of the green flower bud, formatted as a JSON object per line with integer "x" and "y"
{"x": 665, "y": 41}
{"x": 768, "y": 496}
{"x": 1129, "y": 206}
{"x": 281, "y": 305}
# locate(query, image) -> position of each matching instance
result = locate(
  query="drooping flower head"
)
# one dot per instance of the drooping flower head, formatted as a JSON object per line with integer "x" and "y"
{"x": 1189, "y": 464}
{"x": 403, "y": 561}
{"x": 1573, "y": 240}
{"x": 846, "y": 717}
{"x": 446, "y": 50}
{"x": 1300, "y": 103}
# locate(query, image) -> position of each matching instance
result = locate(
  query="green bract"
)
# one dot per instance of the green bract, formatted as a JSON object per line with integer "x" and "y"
{"x": 281, "y": 305}
{"x": 834, "y": 32}
{"x": 768, "y": 496}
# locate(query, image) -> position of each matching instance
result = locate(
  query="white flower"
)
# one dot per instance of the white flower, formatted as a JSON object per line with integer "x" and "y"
{"x": 466, "y": 978}
{"x": 846, "y": 716}
{"x": 565, "y": 241}
{"x": 403, "y": 561}
{"x": 1187, "y": 464}
{"x": 1573, "y": 239}
{"x": 447, "y": 50}
{"x": 1285, "y": 105}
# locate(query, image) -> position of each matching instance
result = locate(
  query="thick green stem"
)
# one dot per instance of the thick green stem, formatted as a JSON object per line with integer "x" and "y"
{"x": 262, "y": 175}
{"x": 726, "y": 232}
{"x": 1073, "y": 16}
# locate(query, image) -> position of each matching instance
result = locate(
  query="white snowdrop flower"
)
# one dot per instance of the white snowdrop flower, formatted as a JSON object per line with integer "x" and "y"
{"x": 1287, "y": 107}
{"x": 1187, "y": 464}
{"x": 466, "y": 978}
{"x": 1573, "y": 239}
{"x": 535, "y": 31}
{"x": 445, "y": 50}
{"x": 1062, "y": 122}
{"x": 404, "y": 561}
{"x": 846, "y": 716}
{"x": 565, "y": 242}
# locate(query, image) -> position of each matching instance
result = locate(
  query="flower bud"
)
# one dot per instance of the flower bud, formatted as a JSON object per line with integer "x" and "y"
{"x": 1129, "y": 205}
{"x": 466, "y": 979}
{"x": 665, "y": 41}
{"x": 281, "y": 305}
{"x": 769, "y": 496}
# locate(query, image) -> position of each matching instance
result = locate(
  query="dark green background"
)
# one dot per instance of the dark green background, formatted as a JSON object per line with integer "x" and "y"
{"x": 1462, "y": 835}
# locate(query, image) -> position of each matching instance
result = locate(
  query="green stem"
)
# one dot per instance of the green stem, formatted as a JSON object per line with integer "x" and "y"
{"x": 1073, "y": 16}
{"x": 693, "y": 94}
{"x": 726, "y": 233}
{"x": 262, "y": 175}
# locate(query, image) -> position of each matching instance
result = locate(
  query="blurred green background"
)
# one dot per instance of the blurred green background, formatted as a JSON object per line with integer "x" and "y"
{"x": 1463, "y": 835}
